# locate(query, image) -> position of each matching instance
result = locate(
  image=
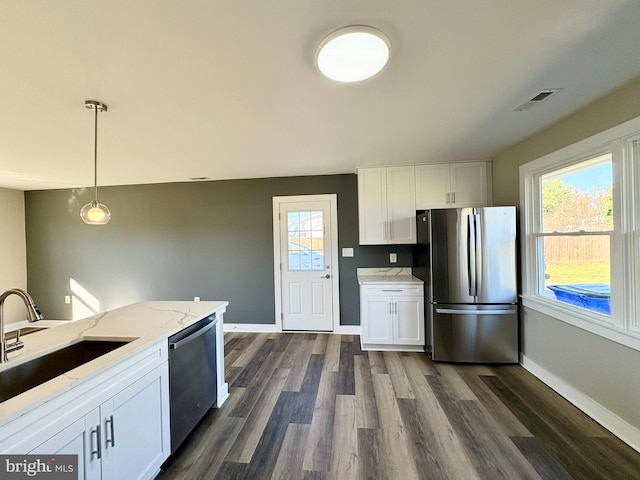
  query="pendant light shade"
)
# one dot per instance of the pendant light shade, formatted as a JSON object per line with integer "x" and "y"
{"x": 94, "y": 212}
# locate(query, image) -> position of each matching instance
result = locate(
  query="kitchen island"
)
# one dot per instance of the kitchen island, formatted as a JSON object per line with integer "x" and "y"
{"x": 66, "y": 413}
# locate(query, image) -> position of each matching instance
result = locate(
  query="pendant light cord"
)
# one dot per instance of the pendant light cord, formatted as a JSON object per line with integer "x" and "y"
{"x": 95, "y": 156}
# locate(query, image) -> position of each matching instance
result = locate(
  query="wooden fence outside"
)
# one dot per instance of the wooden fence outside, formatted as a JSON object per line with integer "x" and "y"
{"x": 566, "y": 249}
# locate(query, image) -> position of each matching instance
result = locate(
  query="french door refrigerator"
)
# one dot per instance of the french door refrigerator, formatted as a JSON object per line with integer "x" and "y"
{"x": 467, "y": 259}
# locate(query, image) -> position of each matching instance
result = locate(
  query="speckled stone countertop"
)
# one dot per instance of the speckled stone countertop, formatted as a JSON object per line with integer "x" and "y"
{"x": 142, "y": 324}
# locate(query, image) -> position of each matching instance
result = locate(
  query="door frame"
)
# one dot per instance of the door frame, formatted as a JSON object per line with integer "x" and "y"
{"x": 332, "y": 198}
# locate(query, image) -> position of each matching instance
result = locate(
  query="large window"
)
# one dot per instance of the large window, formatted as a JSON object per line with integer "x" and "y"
{"x": 574, "y": 233}
{"x": 580, "y": 230}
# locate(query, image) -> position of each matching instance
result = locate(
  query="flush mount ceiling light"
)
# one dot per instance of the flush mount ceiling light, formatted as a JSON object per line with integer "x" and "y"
{"x": 353, "y": 54}
{"x": 94, "y": 212}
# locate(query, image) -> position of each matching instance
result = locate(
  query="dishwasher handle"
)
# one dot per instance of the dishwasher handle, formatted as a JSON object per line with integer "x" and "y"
{"x": 193, "y": 336}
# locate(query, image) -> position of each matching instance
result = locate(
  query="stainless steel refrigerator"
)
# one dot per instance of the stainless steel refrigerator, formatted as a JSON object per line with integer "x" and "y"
{"x": 467, "y": 259}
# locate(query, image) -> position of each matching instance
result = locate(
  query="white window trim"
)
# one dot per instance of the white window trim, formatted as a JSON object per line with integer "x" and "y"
{"x": 625, "y": 327}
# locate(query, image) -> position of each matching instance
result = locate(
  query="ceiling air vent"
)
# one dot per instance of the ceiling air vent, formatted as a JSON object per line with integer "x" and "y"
{"x": 537, "y": 99}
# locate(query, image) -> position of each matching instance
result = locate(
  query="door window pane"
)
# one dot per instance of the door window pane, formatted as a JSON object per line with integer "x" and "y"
{"x": 305, "y": 232}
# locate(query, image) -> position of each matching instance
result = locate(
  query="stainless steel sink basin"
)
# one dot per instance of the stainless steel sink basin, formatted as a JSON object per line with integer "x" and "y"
{"x": 25, "y": 376}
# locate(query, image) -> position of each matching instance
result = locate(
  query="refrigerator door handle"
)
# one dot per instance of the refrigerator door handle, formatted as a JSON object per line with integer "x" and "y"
{"x": 471, "y": 255}
{"x": 452, "y": 311}
{"x": 478, "y": 254}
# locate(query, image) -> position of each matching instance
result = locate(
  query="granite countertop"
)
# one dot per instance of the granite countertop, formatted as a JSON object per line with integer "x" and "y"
{"x": 141, "y": 323}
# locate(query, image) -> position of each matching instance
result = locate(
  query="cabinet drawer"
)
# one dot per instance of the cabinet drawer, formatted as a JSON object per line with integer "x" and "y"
{"x": 392, "y": 289}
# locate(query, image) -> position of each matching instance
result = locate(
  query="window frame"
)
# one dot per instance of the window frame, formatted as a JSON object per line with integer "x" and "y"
{"x": 623, "y": 326}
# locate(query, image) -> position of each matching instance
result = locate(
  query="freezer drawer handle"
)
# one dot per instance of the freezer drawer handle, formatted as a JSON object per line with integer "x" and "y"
{"x": 193, "y": 336}
{"x": 451, "y": 311}
{"x": 398, "y": 290}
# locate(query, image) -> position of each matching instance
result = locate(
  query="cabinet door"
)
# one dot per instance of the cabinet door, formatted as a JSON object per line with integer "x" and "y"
{"x": 375, "y": 314}
{"x": 469, "y": 184}
{"x": 408, "y": 320}
{"x": 81, "y": 438}
{"x": 401, "y": 205}
{"x": 372, "y": 206}
{"x": 135, "y": 426}
{"x": 432, "y": 186}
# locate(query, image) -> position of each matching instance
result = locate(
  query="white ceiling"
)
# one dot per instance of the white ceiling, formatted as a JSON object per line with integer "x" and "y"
{"x": 229, "y": 89}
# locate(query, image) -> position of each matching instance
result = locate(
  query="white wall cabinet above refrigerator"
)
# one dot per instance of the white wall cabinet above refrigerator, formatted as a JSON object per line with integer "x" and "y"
{"x": 388, "y": 197}
{"x": 387, "y": 205}
{"x": 452, "y": 185}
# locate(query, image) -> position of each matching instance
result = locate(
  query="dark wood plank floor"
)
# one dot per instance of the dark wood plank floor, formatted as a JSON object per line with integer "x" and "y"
{"x": 307, "y": 406}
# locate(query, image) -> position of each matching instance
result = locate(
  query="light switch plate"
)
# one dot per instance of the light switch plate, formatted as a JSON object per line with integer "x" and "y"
{"x": 196, "y": 299}
{"x": 347, "y": 252}
{"x": 393, "y": 258}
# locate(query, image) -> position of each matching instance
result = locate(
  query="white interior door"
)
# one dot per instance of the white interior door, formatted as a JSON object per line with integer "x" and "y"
{"x": 306, "y": 264}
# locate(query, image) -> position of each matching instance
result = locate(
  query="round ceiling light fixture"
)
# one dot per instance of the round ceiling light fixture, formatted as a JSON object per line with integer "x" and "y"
{"x": 353, "y": 54}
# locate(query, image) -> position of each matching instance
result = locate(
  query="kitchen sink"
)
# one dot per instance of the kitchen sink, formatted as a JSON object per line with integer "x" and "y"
{"x": 22, "y": 377}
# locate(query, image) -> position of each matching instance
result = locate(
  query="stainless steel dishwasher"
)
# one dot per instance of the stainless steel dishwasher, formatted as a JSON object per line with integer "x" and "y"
{"x": 192, "y": 377}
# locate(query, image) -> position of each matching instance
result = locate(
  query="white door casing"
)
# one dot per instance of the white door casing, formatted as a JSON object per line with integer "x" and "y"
{"x": 306, "y": 262}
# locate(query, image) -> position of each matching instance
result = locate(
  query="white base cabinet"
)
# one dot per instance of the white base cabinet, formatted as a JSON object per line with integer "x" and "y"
{"x": 122, "y": 438}
{"x": 392, "y": 317}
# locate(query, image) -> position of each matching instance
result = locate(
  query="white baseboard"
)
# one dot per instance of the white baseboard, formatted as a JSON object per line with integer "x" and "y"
{"x": 271, "y": 328}
{"x": 348, "y": 329}
{"x": 609, "y": 420}
{"x": 251, "y": 327}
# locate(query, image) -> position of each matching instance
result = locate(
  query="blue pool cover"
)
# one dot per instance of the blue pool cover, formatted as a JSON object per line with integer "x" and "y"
{"x": 592, "y": 296}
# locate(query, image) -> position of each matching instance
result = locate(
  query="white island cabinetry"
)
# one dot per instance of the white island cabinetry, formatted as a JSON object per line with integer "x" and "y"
{"x": 113, "y": 412}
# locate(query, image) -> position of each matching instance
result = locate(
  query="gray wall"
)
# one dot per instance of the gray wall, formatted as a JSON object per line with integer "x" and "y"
{"x": 13, "y": 255}
{"x": 180, "y": 240}
{"x": 603, "y": 370}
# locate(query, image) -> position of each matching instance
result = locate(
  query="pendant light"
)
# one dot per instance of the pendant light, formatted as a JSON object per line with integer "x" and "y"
{"x": 94, "y": 212}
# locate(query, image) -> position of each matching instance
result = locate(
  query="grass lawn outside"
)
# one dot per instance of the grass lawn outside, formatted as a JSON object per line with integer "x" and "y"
{"x": 564, "y": 273}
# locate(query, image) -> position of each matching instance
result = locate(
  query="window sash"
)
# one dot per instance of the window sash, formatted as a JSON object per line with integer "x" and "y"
{"x": 623, "y": 142}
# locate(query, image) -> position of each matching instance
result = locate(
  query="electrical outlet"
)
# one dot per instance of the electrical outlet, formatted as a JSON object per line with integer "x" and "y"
{"x": 393, "y": 258}
{"x": 347, "y": 252}
{"x": 196, "y": 299}
{"x": 67, "y": 299}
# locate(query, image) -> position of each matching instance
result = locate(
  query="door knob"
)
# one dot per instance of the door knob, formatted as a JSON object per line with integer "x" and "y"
{"x": 326, "y": 276}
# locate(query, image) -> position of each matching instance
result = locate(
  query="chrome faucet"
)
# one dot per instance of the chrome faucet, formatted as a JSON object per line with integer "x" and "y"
{"x": 33, "y": 314}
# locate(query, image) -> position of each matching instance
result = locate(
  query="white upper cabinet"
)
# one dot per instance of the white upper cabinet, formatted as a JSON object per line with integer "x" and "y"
{"x": 452, "y": 185}
{"x": 387, "y": 205}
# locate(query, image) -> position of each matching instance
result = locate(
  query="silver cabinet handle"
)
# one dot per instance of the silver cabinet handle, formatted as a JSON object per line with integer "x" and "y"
{"x": 98, "y": 451}
{"x": 109, "y": 421}
{"x": 395, "y": 307}
{"x": 453, "y": 198}
{"x": 398, "y": 290}
{"x": 448, "y": 198}
{"x": 389, "y": 308}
